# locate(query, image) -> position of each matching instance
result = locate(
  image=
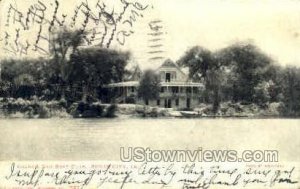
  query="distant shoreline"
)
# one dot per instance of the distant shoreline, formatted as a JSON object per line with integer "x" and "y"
{"x": 35, "y": 109}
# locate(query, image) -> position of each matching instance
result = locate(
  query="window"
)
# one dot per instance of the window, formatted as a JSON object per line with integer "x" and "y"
{"x": 132, "y": 89}
{"x": 175, "y": 89}
{"x": 147, "y": 102}
{"x": 189, "y": 90}
{"x": 162, "y": 89}
{"x": 169, "y": 103}
{"x": 195, "y": 90}
{"x": 168, "y": 77}
{"x": 158, "y": 102}
{"x": 177, "y": 102}
{"x": 188, "y": 102}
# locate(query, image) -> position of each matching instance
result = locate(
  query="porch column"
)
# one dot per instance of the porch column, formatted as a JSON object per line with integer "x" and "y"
{"x": 124, "y": 94}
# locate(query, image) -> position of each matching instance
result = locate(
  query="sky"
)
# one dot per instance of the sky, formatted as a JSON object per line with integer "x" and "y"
{"x": 272, "y": 25}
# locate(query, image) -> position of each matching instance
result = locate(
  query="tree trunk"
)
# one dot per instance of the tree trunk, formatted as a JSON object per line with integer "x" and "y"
{"x": 216, "y": 100}
{"x": 63, "y": 93}
{"x": 84, "y": 93}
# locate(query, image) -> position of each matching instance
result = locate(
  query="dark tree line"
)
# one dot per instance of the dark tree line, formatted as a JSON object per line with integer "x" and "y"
{"x": 70, "y": 73}
{"x": 242, "y": 73}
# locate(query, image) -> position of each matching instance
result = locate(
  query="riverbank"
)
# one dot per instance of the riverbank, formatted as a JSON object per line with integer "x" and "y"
{"x": 227, "y": 109}
{"x": 34, "y": 108}
{"x": 20, "y": 108}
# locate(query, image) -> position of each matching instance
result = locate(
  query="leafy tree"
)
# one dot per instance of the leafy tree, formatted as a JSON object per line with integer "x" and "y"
{"x": 291, "y": 91}
{"x": 233, "y": 73}
{"x": 275, "y": 74}
{"x": 199, "y": 61}
{"x": 262, "y": 93}
{"x": 250, "y": 66}
{"x": 92, "y": 68}
{"x": 20, "y": 76}
{"x": 63, "y": 43}
{"x": 205, "y": 66}
{"x": 149, "y": 86}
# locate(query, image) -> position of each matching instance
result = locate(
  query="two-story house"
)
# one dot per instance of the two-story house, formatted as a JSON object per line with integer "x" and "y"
{"x": 176, "y": 90}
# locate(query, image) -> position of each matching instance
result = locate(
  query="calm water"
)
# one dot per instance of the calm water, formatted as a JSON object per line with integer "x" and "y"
{"x": 101, "y": 139}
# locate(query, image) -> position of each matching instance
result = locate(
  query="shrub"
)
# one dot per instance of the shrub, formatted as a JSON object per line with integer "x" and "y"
{"x": 63, "y": 103}
{"x": 86, "y": 110}
{"x": 154, "y": 112}
{"x": 73, "y": 110}
{"x": 44, "y": 112}
{"x": 111, "y": 110}
{"x": 82, "y": 106}
{"x": 97, "y": 109}
{"x": 89, "y": 114}
{"x": 130, "y": 100}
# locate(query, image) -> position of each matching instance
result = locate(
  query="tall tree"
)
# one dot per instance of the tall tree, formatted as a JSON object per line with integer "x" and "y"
{"x": 291, "y": 91}
{"x": 91, "y": 68}
{"x": 250, "y": 67}
{"x": 205, "y": 66}
{"x": 22, "y": 76}
{"x": 235, "y": 73}
{"x": 63, "y": 43}
{"x": 149, "y": 86}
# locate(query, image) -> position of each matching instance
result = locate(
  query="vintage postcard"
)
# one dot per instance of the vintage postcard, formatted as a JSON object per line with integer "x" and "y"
{"x": 149, "y": 94}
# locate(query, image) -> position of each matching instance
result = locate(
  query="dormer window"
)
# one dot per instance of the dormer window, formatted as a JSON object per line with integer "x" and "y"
{"x": 168, "y": 77}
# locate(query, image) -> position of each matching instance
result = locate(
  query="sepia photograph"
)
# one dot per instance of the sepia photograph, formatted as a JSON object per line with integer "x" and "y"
{"x": 149, "y": 94}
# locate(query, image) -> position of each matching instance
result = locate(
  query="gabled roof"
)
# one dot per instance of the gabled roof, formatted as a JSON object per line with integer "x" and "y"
{"x": 169, "y": 63}
{"x": 136, "y": 73}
